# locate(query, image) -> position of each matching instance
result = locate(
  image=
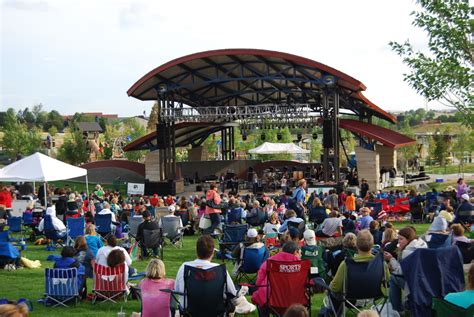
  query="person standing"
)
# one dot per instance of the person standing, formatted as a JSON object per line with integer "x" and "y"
{"x": 299, "y": 197}
{"x": 214, "y": 199}
{"x": 364, "y": 188}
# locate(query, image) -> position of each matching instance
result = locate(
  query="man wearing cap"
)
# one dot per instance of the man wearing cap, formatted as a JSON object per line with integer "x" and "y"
{"x": 251, "y": 242}
{"x": 313, "y": 253}
{"x": 171, "y": 210}
{"x": 464, "y": 213}
{"x": 147, "y": 224}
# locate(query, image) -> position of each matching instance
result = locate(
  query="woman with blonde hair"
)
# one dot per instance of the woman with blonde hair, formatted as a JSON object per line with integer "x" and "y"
{"x": 154, "y": 302}
{"x": 13, "y": 310}
{"x": 93, "y": 241}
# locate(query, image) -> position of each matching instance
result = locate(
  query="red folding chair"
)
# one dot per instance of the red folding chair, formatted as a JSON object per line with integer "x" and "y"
{"x": 288, "y": 284}
{"x": 385, "y": 205}
{"x": 402, "y": 205}
{"x": 109, "y": 283}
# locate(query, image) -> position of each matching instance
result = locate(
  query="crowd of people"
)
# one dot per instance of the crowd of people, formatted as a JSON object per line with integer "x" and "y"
{"x": 299, "y": 220}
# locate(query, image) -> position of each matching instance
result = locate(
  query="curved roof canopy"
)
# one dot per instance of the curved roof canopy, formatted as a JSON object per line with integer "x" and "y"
{"x": 383, "y": 135}
{"x": 240, "y": 77}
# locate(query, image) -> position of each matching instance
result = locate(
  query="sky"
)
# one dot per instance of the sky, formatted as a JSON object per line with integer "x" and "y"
{"x": 82, "y": 56}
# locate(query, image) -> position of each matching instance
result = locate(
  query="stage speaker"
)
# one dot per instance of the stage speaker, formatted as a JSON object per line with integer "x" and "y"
{"x": 327, "y": 134}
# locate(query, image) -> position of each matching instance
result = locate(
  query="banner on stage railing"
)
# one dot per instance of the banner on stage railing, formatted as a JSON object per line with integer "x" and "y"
{"x": 135, "y": 189}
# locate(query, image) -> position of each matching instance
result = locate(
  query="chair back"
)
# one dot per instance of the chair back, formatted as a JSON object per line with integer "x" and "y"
{"x": 14, "y": 224}
{"x": 4, "y": 237}
{"x": 298, "y": 225}
{"x": 61, "y": 282}
{"x": 234, "y": 233}
{"x": 317, "y": 214}
{"x": 315, "y": 255}
{"x": 445, "y": 308}
{"x": 102, "y": 223}
{"x": 252, "y": 259}
{"x": 133, "y": 223}
{"x": 271, "y": 239}
{"x": 438, "y": 240}
{"x": 8, "y": 251}
{"x": 110, "y": 279}
{"x": 152, "y": 238}
{"x": 27, "y": 219}
{"x": 234, "y": 215}
{"x": 49, "y": 231}
{"x": 204, "y": 290}
{"x": 170, "y": 226}
{"x": 75, "y": 227}
{"x": 369, "y": 274}
{"x": 375, "y": 207}
{"x": 287, "y": 283}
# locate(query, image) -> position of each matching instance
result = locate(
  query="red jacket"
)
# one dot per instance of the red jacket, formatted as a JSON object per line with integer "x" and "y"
{"x": 6, "y": 199}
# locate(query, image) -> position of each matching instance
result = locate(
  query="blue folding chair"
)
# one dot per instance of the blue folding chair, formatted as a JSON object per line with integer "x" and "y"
{"x": 75, "y": 228}
{"x": 439, "y": 240}
{"x": 14, "y": 226}
{"x": 51, "y": 233}
{"x": 4, "y": 237}
{"x": 234, "y": 216}
{"x": 232, "y": 235}
{"x": 61, "y": 286}
{"x": 9, "y": 255}
{"x": 103, "y": 224}
{"x": 251, "y": 261}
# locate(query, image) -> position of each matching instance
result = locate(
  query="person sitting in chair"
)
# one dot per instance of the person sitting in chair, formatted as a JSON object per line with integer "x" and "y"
{"x": 171, "y": 210}
{"x": 147, "y": 224}
{"x": 205, "y": 253}
{"x": 331, "y": 226}
{"x": 290, "y": 216}
{"x": 103, "y": 253}
{"x": 57, "y": 224}
{"x": 66, "y": 261}
{"x": 364, "y": 244}
{"x": 466, "y": 298}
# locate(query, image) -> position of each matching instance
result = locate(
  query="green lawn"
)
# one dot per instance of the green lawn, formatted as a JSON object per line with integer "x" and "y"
{"x": 29, "y": 283}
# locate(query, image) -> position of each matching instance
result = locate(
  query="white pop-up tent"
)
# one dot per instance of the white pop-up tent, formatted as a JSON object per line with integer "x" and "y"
{"x": 278, "y": 148}
{"x": 40, "y": 168}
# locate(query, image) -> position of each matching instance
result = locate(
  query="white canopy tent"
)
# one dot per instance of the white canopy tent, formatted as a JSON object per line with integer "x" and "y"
{"x": 278, "y": 148}
{"x": 41, "y": 168}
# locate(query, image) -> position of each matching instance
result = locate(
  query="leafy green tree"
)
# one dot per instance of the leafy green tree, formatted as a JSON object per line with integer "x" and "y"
{"x": 74, "y": 149}
{"x": 151, "y": 126}
{"x": 134, "y": 130}
{"x": 464, "y": 145}
{"x": 18, "y": 138}
{"x": 407, "y": 152}
{"x": 445, "y": 74}
{"x": 54, "y": 119}
{"x": 41, "y": 119}
{"x": 53, "y": 131}
{"x": 440, "y": 151}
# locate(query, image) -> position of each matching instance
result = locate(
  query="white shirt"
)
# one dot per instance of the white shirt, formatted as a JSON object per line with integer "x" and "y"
{"x": 103, "y": 253}
{"x": 106, "y": 212}
{"x": 202, "y": 264}
{"x": 57, "y": 224}
{"x": 330, "y": 225}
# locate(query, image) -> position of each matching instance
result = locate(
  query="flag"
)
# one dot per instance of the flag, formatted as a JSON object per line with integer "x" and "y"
{"x": 134, "y": 251}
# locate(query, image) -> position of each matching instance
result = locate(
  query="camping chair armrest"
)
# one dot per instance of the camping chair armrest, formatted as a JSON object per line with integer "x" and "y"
{"x": 320, "y": 282}
{"x": 172, "y": 292}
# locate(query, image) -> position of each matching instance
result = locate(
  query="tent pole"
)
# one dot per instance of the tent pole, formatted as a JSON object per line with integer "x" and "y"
{"x": 45, "y": 196}
{"x": 87, "y": 191}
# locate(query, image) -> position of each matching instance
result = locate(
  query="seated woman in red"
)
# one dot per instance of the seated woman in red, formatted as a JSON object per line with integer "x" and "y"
{"x": 154, "y": 302}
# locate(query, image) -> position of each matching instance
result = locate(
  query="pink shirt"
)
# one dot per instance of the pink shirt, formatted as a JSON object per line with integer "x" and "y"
{"x": 154, "y": 302}
{"x": 212, "y": 194}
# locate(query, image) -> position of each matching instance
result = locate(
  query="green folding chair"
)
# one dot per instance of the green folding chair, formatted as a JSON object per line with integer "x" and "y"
{"x": 444, "y": 308}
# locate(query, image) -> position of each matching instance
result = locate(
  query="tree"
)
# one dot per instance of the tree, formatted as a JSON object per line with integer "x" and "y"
{"x": 446, "y": 73}
{"x": 153, "y": 120}
{"x": 18, "y": 138}
{"x": 464, "y": 145}
{"x": 74, "y": 149}
{"x": 440, "y": 151}
{"x": 134, "y": 130}
{"x": 54, "y": 119}
{"x": 407, "y": 152}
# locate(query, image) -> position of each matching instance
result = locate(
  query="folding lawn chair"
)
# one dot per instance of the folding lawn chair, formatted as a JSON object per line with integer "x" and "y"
{"x": 28, "y": 226}
{"x": 203, "y": 294}
{"x": 258, "y": 220}
{"x": 75, "y": 228}
{"x": 14, "y": 227}
{"x": 444, "y": 308}
{"x": 317, "y": 215}
{"x": 315, "y": 255}
{"x": 4, "y": 237}
{"x": 234, "y": 216}
{"x": 301, "y": 226}
{"x": 288, "y": 284}
{"x": 271, "y": 240}
{"x": 172, "y": 230}
{"x": 438, "y": 240}
{"x": 232, "y": 235}
{"x": 363, "y": 282}
{"x": 153, "y": 239}
{"x": 133, "y": 223}
{"x": 9, "y": 255}
{"x": 51, "y": 233}
{"x": 109, "y": 283}
{"x": 251, "y": 259}
{"x": 103, "y": 224}
{"x": 61, "y": 286}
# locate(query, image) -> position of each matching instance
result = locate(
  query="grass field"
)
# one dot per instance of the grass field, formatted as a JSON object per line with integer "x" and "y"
{"x": 29, "y": 283}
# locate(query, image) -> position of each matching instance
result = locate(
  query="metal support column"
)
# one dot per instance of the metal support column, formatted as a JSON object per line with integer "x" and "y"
{"x": 330, "y": 159}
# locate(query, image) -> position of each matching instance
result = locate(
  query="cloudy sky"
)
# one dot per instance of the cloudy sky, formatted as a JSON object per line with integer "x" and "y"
{"x": 76, "y": 56}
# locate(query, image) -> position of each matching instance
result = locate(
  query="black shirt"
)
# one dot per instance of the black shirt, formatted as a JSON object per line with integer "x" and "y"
{"x": 148, "y": 225}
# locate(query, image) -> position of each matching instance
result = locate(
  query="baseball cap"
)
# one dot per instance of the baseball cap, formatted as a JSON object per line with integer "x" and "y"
{"x": 171, "y": 208}
{"x": 465, "y": 196}
{"x": 146, "y": 214}
{"x": 309, "y": 237}
{"x": 252, "y": 233}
